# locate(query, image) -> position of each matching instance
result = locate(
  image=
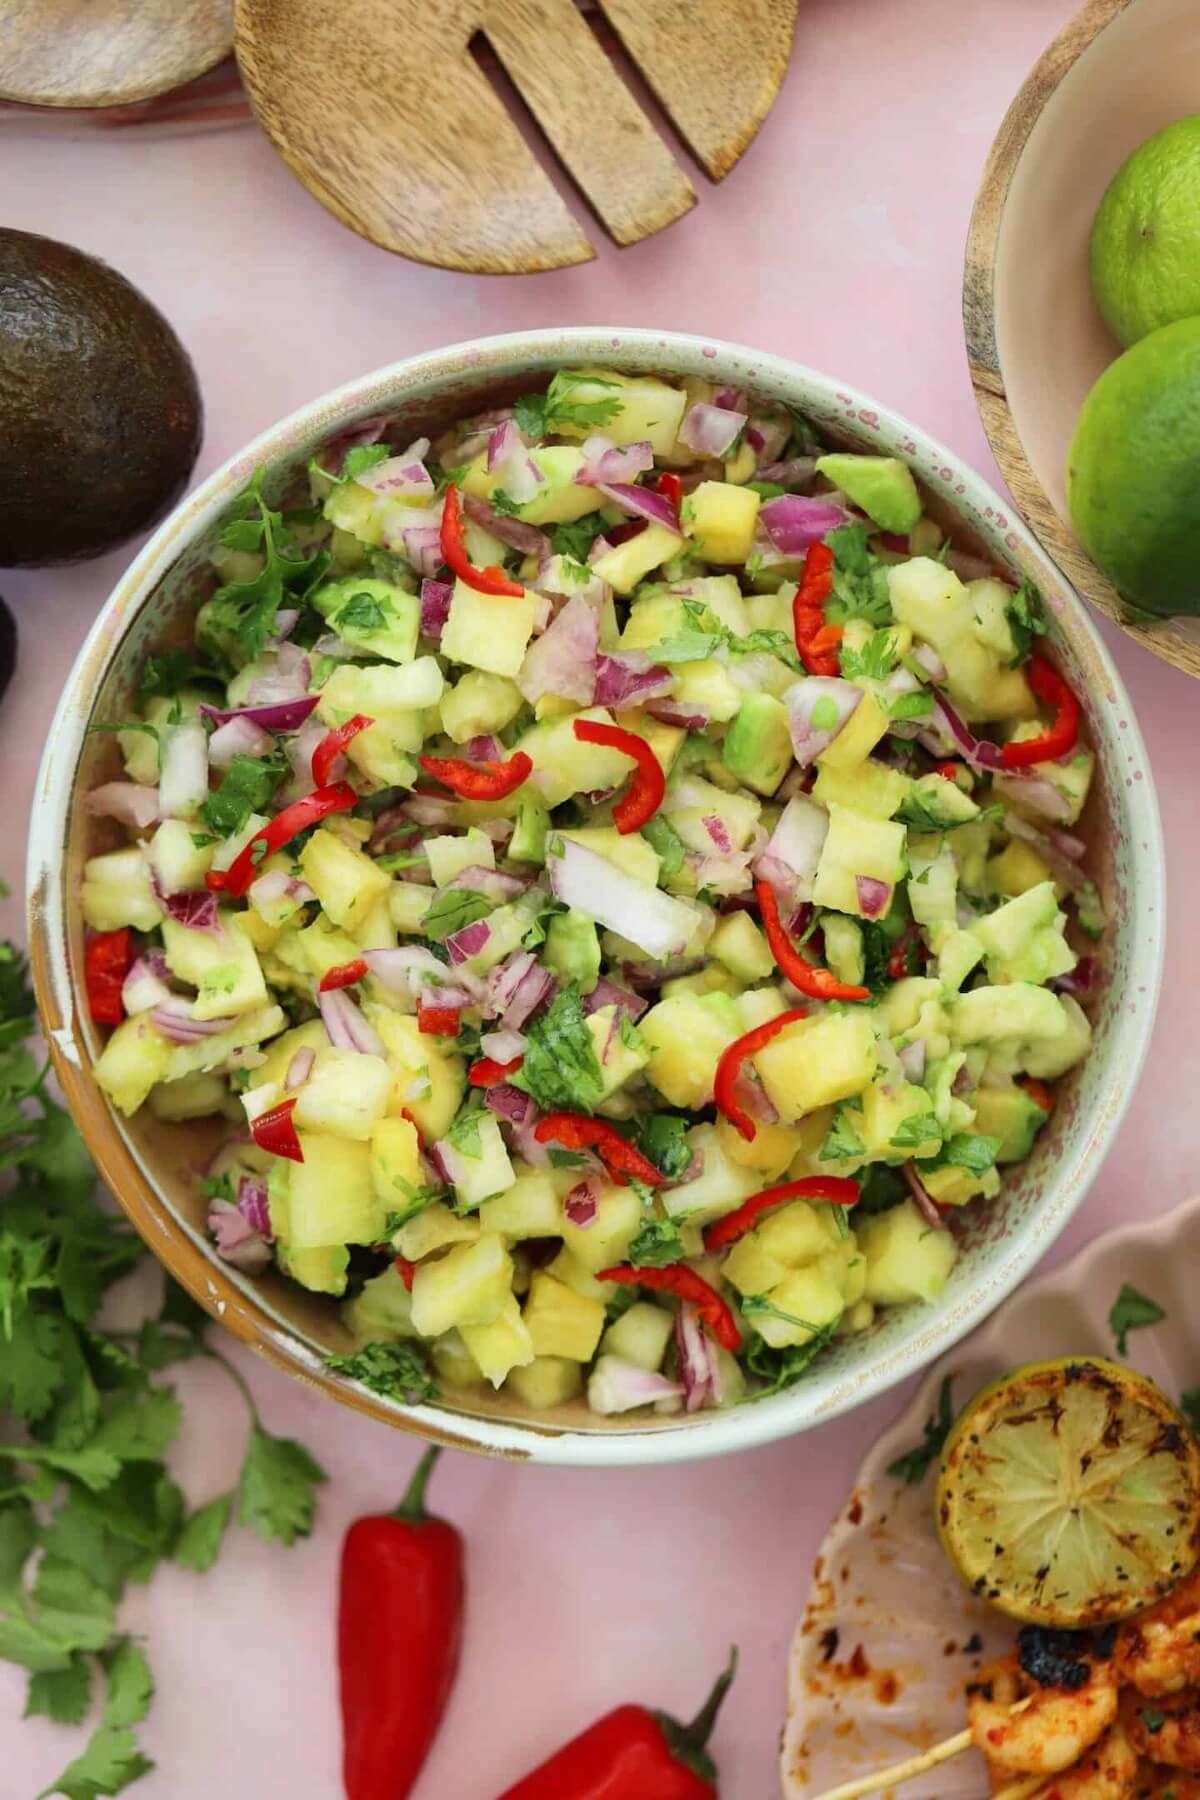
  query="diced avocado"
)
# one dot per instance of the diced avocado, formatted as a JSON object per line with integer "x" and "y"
{"x": 721, "y": 521}
{"x": 958, "y": 951}
{"x": 1053, "y": 1057}
{"x": 906, "y": 1258}
{"x": 573, "y": 949}
{"x": 1009, "y": 1114}
{"x": 528, "y": 841}
{"x": 625, "y": 565}
{"x": 1018, "y": 1010}
{"x": 844, "y": 947}
{"x": 856, "y": 845}
{"x": 758, "y": 745}
{"x": 942, "y": 802}
{"x": 882, "y": 485}
{"x": 486, "y": 636}
{"x": 870, "y": 788}
{"x": 1023, "y": 939}
{"x": 375, "y": 615}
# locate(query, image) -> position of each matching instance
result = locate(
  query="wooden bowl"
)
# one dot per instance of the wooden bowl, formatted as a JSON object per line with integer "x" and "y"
{"x": 153, "y": 1168}
{"x": 1118, "y": 73}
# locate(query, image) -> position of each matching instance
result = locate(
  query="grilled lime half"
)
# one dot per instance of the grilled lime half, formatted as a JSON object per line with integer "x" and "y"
{"x": 1070, "y": 1494}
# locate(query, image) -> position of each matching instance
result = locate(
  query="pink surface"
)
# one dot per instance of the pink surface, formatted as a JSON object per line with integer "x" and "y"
{"x": 839, "y": 242}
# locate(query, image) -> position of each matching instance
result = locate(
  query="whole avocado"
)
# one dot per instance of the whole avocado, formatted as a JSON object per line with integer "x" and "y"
{"x": 100, "y": 412}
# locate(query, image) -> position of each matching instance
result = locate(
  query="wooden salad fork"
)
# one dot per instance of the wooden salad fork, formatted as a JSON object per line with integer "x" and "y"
{"x": 383, "y": 110}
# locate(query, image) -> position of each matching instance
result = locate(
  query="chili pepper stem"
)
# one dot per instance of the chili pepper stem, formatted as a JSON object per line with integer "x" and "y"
{"x": 689, "y": 1743}
{"x": 413, "y": 1504}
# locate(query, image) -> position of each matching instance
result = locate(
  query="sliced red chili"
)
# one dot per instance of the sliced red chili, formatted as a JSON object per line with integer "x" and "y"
{"x": 826, "y": 640}
{"x": 678, "y": 1279}
{"x": 1039, "y": 1093}
{"x": 670, "y": 486}
{"x": 949, "y": 771}
{"x": 817, "y": 983}
{"x": 438, "y": 1021}
{"x": 407, "y": 1271}
{"x": 487, "y": 1072}
{"x": 838, "y": 1190}
{"x": 649, "y": 783}
{"x": 479, "y": 781}
{"x": 275, "y": 1132}
{"x": 577, "y": 1131}
{"x": 491, "y": 580}
{"x": 107, "y": 960}
{"x": 343, "y": 975}
{"x": 729, "y": 1068}
{"x": 1062, "y": 734}
{"x": 332, "y": 745}
{"x": 338, "y": 797}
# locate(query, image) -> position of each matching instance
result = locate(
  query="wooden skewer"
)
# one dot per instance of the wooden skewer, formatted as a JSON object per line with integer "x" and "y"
{"x": 929, "y": 1759}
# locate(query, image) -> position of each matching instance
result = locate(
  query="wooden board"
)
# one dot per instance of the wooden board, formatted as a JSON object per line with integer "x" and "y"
{"x": 383, "y": 110}
{"x": 107, "y": 52}
{"x": 1174, "y": 641}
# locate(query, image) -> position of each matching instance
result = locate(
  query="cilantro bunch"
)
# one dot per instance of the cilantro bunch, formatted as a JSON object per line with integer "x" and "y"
{"x": 87, "y": 1501}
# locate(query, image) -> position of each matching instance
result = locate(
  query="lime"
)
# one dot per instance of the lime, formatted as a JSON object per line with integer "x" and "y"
{"x": 1145, "y": 254}
{"x": 1133, "y": 471}
{"x": 1070, "y": 1494}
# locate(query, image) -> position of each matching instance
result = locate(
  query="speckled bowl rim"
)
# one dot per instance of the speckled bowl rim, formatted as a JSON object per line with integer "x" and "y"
{"x": 821, "y": 1397}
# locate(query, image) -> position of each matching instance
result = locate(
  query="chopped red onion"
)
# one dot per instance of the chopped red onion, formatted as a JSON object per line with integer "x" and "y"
{"x": 330, "y": 644}
{"x": 493, "y": 884}
{"x": 196, "y": 909}
{"x": 423, "y": 547}
{"x": 734, "y": 398}
{"x": 754, "y": 1099}
{"x": 367, "y": 431}
{"x": 818, "y": 708}
{"x": 278, "y": 715}
{"x": 582, "y": 1204}
{"x": 516, "y": 533}
{"x": 286, "y": 621}
{"x": 508, "y": 459}
{"x": 695, "y": 1356}
{"x": 796, "y": 472}
{"x": 710, "y": 430}
{"x": 435, "y": 606}
{"x": 604, "y": 462}
{"x": 718, "y": 831}
{"x": 300, "y": 1068}
{"x": 347, "y": 1028}
{"x": 430, "y": 809}
{"x": 675, "y": 712}
{"x": 769, "y": 432}
{"x": 254, "y": 1206}
{"x": 979, "y": 752}
{"x": 237, "y": 1242}
{"x": 642, "y": 502}
{"x": 629, "y": 678}
{"x": 484, "y": 749}
{"x": 277, "y": 885}
{"x": 469, "y": 941}
{"x": 649, "y": 918}
{"x": 1061, "y": 863}
{"x": 444, "y": 993}
{"x": 1040, "y": 796}
{"x": 617, "y": 1386}
{"x": 1081, "y": 979}
{"x": 874, "y": 897}
{"x": 504, "y": 980}
{"x": 607, "y": 993}
{"x": 508, "y": 1102}
{"x": 126, "y": 801}
{"x": 793, "y": 850}
{"x": 795, "y": 521}
{"x": 173, "y": 1018}
{"x": 923, "y": 1200}
{"x": 144, "y": 987}
{"x": 503, "y": 1046}
{"x": 563, "y": 660}
{"x": 287, "y": 680}
{"x": 402, "y": 477}
{"x": 412, "y": 968}
{"x": 239, "y": 737}
{"x": 616, "y": 534}
{"x": 930, "y": 661}
{"x": 536, "y": 987}
{"x": 912, "y": 1060}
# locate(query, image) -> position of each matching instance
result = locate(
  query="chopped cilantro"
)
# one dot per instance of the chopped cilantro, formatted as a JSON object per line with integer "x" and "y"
{"x": 563, "y": 407}
{"x": 503, "y": 502}
{"x": 248, "y": 785}
{"x": 464, "y": 1132}
{"x": 874, "y": 662}
{"x": 881, "y": 1188}
{"x": 1025, "y": 621}
{"x": 529, "y": 414}
{"x": 970, "y": 1151}
{"x": 661, "y": 1137}
{"x": 656, "y": 1245}
{"x": 916, "y": 1130}
{"x": 170, "y": 671}
{"x": 560, "y": 1068}
{"x": 1189, "y": 1405}
{"x": 778, "y": 1369}
{"x": 361, "y": 457}
{"x": 915, "y": 1463}
{"x": 1152, "y": 1719}
{"x": 397, "y": 1371}
{"x": 1131, "y": 1311}
{"x": 761, "y": 1306}
{"x": 860, "y": 583}
{"x": 235, "y": 624}
{"x": 451, "y": 910}
{"x": 914, "y": 705}
{"x": 362, "y": 612}
{"x": 841, "y": 1140}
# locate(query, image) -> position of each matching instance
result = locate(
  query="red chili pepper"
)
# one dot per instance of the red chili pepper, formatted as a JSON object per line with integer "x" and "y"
{"x": 479, "y": 781}
{"x": 274, "y": 1131}
{"x": 816, "y": 583}
{"x": 949, "y": 771}
{"x": 438, "y": 1021}
{"x": 107, "y": 959}
{"x": 332, "y": 745}
{"x": 729, "y": 1068}
{"x": 670, "y": 486}
{"x": 633, "y": 1754}
{"x": 826, "y": 640}
{"x": 818, "y": 984}
{"x": 1062, "y": 735}
{"x": 343, "y": 975}
{"x": 491, "y": 580}
{"x": 649, "y": 784}
{"x": 399, "y": 1636}
{"x": 1039, "y": 1093}
{"x": 487, "y": 1071}
{"x": 338, "y": 797}
{"x": 837, "y": 1189}
{"x": 577, "y": 1131}
{"x": 808, "y": 614}
{"x": 678, "y": 1279}
{"x": 407, "y": 1271}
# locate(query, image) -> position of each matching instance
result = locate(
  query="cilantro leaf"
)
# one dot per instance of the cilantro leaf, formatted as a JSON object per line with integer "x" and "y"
{"x": 874, "y": 662}
{"x": 759, "y": 1306}
{"x": 277, "y": 1491}
{"x": 199, "y": 1543}
{"x": 233, "y": 627}
{"x": 464, "y": 1132}
{"x": 63, "y": 1695}
{"x": 914, "y": 1464}
{"x": 451, "y": 910}
{"x": 970, "y": 1151}
{"x": 656, "y": 1245}
{"x": 1152, "y": 1719}
{"x": 503, "y": 503}
{"x": 841, "y": 1140}
{"x": 575, "y": 540}
{"x": 362, "y": 612}
{"x": 397, "y": 1371}
{"x": 662, "y": 836}
{"x": 529, "y": 415}
{"x": 1131, "y": 1311}
{"x": 247, "y": 787}
{"x": 1025, "y": 621}
{"x": 130, "y": 1685}
{"x": 560, "y": 1068}
{"x": 915, "y": 705}
{"x": 661, "y": 1137}
{"x": 860, "y": 583}
{"x": 361, "y": 457}
{"x": 779, "y": 1368}
{"x": 564, "y": 407}
{"x": 110, "y": 1763}
{"x": 916, "y": 1130}
{"x": 168, "y": 672}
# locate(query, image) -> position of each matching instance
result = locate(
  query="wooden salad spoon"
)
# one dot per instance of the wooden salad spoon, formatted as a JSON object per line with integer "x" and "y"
{"x": 107, "y": 52}
{"x": 382, "y": 109}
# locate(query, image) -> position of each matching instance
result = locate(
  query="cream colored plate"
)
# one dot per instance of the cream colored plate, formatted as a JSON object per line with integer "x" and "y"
{"x": 907, "y": 1632}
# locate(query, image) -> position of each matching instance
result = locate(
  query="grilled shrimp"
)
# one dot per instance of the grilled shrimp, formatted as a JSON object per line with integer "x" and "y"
{"x": 1159, "y": 1652}
{"x": 1027, "y": 1730}
{"x": 1168, "y": 1732}
{"x": 1108, "y": 1771}
{"x": 1155, "y": 1782}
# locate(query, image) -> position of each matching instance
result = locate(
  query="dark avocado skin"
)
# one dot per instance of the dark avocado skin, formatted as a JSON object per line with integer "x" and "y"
{"x": 8, "y": 645}
{"x": 100, "y": 413}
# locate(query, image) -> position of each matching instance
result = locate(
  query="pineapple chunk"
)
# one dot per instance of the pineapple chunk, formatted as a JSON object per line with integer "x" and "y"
{"x": 221, "y": 964}
{"x": 346, "y": 1095}
{"x": 330, "y": 1196}
{"x": 750, "y": 1269}
{"x": 210, "y": 1053}
{"x": 346, "y": 882}
{"x": 627, "y": 564}
{"x": 817, "y": 1061}
{"x": 177, "y": 861}
{"x": 630, "y": 852}
{"x": 455, "y": 1365}
{"x": 856, "y": 845}
{"x": 794, "y": 1235}
{"x": 470, "y": 1285}
{"x": 905, "y": 1259}
{"x": 279, "y": 1054}
{"x": 432, "y": 1229}
{"x": 603, "y": 1243}
{"x": 870, "y": 788}
{"x": 135, "y": 1059}
{"x": 322, "y": 1270}
{"x": 640, "y": 1335}
{"x": 483, "y": 1170}
{"x": 568, "y": 1269}
{"x": 720, "y": 1187}
{"x": 741, "y": 946}
{"x": 116, "y": 891}
{"x": 618, "y": 1061}
{"x": 560, "y": 1321}
{"x": 382, "y": 1312}
{"x": 479, "y": 704}
{"x": 645, "y": 407}
{"x": 502, "y": 1344}
{"x": 191, "y": 1097}
{"x": 768, "y": 1153}
{"x": 407, "y": 903}
{"x": 396, "y": 1165}
{"x": 721, "y": 520}
{"x": 449, "y": 856}
{"x": 546, "y": 1381}
{"x": 812, "y": 1297}
{"x": 428, "y": 1082}
{"x": 530, "y": 1207}
{"x": 686, "y": 1036}
{"x": 562, "y": 766}
{"x": 858, "y": 737}
{"x": 488, "y": 635}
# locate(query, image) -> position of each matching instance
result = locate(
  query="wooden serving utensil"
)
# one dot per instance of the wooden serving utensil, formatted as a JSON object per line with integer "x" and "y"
{"x": 107, "y": 52}
{"x": 384, "y": 112}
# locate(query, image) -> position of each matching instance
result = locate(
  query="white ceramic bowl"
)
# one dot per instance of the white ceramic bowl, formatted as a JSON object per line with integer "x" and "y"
{"x": 152, "y": 1168}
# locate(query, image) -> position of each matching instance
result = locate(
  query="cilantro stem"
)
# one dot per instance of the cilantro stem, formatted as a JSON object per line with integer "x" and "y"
{"x": 236, "y": 1376}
